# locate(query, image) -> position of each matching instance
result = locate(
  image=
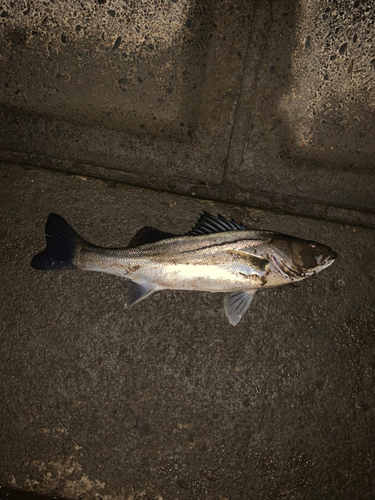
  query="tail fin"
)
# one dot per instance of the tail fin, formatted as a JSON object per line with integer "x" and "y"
{"x": 62, "y": 243}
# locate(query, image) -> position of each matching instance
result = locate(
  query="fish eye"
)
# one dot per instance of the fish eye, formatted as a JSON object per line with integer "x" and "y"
{"x": 313, "y": 245}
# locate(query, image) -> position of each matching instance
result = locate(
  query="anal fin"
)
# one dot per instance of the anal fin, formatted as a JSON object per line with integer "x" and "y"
{"x": 137, "y": 292}
{"x": 236, "y": 305}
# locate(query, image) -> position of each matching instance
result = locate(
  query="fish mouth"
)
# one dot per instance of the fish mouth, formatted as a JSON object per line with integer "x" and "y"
{"x": 322, "y": 258}
{"x": 330, "y": 259}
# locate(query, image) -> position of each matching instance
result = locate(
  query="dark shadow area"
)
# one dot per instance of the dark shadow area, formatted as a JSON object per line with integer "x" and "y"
{"x": 12, "y": 494}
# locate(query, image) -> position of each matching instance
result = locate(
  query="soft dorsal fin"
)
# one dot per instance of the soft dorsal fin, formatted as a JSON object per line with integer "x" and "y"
{"x": 208, "y": 224}
{"x": 148, "y": 235}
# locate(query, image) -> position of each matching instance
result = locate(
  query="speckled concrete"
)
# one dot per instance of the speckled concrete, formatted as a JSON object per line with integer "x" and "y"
{"x": 263, "y": 104}
{"x": 122, "y": 64}
{"x": 305, "y": 123}
{"x": 165, "y": 72}
{"x": 166, "y": 400}
{"x": 266, "y": 103}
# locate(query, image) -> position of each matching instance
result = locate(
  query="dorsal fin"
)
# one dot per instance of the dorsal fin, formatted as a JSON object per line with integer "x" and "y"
{"x": 148, "y": 235}
{"x": 208, "y": 224}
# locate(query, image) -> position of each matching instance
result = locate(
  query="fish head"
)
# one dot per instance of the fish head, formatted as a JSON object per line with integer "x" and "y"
{"x": 296, "y": 258}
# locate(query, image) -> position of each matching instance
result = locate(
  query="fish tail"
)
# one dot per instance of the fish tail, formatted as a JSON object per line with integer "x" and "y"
{"x": 62, "y": 245}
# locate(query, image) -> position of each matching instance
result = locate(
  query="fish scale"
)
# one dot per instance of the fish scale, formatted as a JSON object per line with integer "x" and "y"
{"x": 216, "y": 255}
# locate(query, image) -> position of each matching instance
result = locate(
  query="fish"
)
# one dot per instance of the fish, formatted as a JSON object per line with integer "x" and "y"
{"x": 216, "y": 255}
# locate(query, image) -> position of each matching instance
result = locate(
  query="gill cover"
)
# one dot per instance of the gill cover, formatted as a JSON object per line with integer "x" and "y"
{"x": 298, "y": 257}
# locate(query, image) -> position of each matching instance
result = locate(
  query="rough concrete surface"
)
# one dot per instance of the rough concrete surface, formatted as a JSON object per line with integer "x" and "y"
{"x": 269, "y": 103}
{"x": 305, "y": 122}
{"x": 166, "y": 400}
{"x": 166, "y": 72}
{"x": 136, "y": 66}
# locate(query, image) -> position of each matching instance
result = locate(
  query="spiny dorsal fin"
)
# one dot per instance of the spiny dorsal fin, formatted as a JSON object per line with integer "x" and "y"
{"x": 148, "y": 235}
{"x": 236, "y": 304}
{"x": 208, "y": 224}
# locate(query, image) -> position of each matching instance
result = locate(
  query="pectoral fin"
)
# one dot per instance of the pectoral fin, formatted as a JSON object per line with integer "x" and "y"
{"x": 137, "y": 292}
{"x": 236, "y": 304}
{"x": 257, "y": 263}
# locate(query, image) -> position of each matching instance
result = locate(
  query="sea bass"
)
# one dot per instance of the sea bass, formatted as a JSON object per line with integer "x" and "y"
{"x": 216, "y": 255}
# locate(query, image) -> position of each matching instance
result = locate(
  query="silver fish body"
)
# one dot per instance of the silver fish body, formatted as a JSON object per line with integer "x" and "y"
{"x": 217, "y": 255}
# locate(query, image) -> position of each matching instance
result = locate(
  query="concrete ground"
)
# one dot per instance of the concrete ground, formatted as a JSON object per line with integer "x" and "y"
{"x": 268, "y": 103}
{"x": 267, "y": 107}
{"x": 166, "y": 400}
